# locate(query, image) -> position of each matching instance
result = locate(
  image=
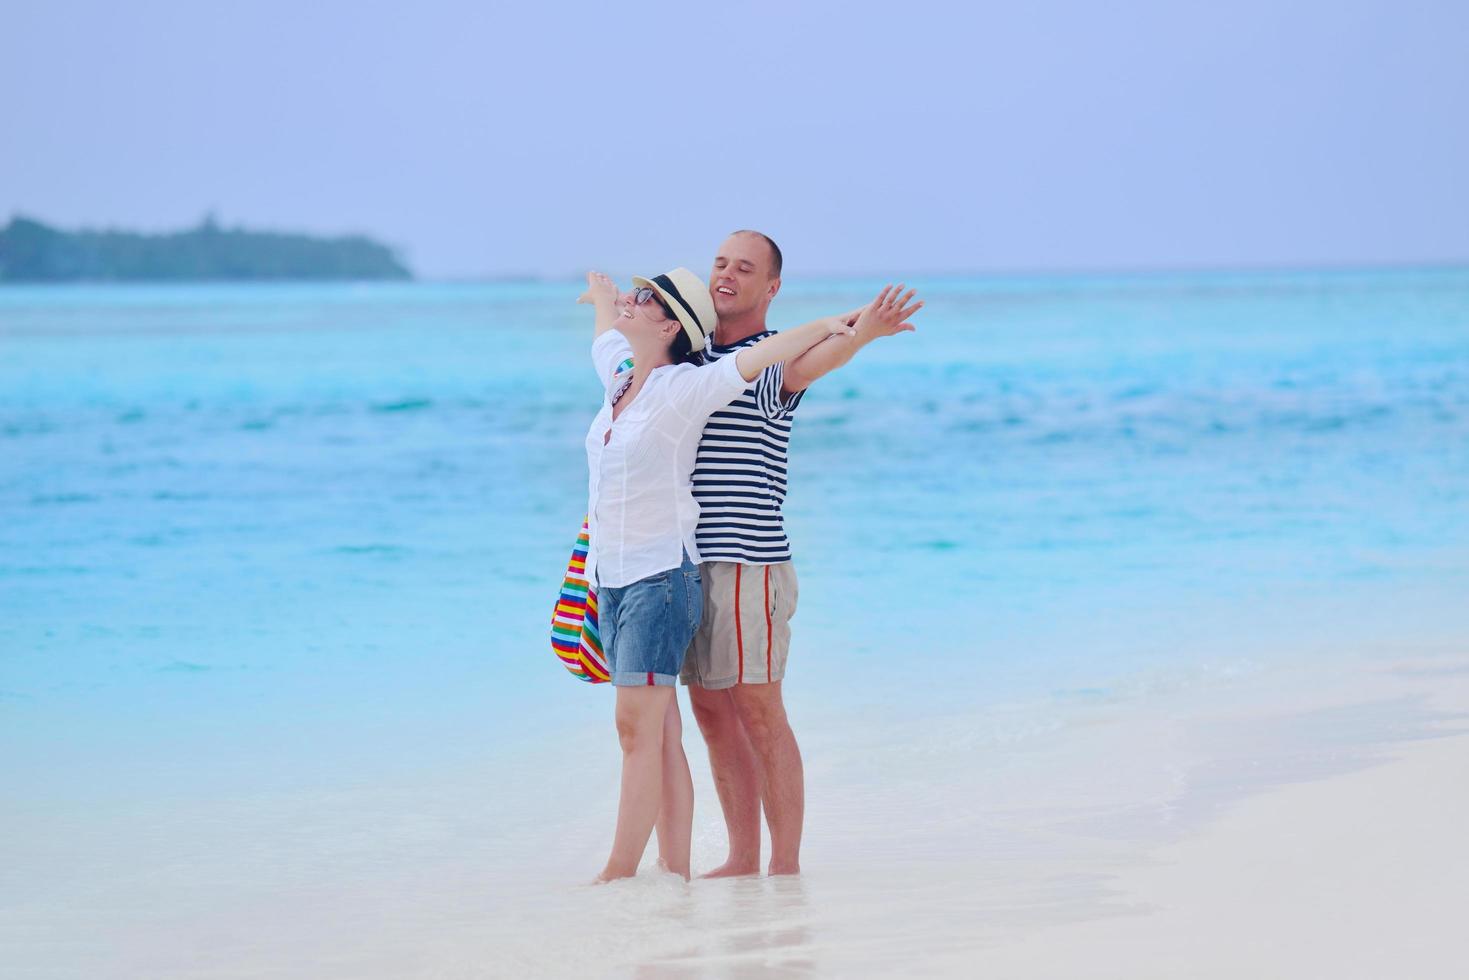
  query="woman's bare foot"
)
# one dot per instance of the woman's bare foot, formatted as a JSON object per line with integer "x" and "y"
{"x": 663, "y": 866}
{"x": 611, "y": 874}
{"x": 734, "y": 868}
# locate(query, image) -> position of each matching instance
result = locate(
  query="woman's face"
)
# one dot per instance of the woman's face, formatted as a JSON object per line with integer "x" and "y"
{"x": 647, "y": 319}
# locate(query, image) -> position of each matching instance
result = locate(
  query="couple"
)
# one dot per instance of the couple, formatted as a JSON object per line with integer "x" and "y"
{"x": 688, "y": 551}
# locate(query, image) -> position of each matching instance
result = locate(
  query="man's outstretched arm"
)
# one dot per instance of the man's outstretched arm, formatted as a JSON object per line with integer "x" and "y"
{"x": 883, "y": 317}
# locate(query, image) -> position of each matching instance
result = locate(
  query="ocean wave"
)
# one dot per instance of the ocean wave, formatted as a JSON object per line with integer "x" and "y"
{"x": 405, "y": 405}
{"x": 373, "y": 550}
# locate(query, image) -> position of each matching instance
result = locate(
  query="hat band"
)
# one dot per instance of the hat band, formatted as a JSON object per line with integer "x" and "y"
{"x": 672, "y": 290}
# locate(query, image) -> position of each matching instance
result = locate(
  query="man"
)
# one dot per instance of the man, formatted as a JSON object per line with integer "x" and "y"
{"x": 737, "y": 659}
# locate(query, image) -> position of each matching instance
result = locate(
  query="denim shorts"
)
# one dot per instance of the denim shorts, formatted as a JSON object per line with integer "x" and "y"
{"x": 646, "y": 626}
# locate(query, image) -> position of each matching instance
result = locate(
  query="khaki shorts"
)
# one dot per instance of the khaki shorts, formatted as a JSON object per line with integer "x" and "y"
{"x": 745, "y": 635}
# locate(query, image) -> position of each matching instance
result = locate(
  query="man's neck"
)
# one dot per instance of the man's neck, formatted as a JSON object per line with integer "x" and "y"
{"x": 735, "y": 329}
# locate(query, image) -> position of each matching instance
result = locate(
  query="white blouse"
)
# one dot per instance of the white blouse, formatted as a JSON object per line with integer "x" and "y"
{"x": 641, "y": 508}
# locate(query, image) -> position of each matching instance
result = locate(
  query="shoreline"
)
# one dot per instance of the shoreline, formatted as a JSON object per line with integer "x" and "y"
{"x": 1186, "y": 831}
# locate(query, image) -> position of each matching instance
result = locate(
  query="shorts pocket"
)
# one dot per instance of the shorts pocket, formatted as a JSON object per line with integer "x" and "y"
{"x": 656, "y": 589}
{"x": 785, "y": 592}
{"x": 662, "y": 580}
{"x": 695, "y": 590}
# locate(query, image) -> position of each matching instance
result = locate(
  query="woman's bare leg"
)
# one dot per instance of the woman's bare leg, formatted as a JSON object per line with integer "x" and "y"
{"x": 640, "y": 713}
{"x": 676, "y": 814}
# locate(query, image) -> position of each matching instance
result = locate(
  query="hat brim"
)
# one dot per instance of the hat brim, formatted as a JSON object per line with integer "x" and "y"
{"x": 685, "y": 318}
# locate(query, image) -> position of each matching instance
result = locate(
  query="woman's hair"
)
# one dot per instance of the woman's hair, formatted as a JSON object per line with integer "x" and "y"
{"x": 681, "y": 349}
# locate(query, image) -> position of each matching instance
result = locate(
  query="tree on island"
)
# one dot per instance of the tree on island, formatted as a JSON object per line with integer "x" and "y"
{"x": 33, "y": 252}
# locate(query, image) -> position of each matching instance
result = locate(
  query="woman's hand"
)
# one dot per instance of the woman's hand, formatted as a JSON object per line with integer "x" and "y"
{"x": 843, "y": 325}
{"x": 888, "y": 314}
{"x": 600, "y": 289}
{"x": 602, "y": 294}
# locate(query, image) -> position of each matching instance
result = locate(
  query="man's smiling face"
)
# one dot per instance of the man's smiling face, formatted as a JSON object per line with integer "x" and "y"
{"x": 742, "y": 279}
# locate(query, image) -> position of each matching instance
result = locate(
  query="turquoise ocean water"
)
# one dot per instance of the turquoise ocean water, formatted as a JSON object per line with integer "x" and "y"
{"x": 262, "y": 535}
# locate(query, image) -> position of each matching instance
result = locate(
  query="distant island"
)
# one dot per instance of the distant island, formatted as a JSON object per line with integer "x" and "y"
{"x": 33, "y": 252}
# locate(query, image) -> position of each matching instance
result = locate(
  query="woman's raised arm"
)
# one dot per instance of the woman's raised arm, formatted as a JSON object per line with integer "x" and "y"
{"x": 602, "y": 294}
{"x": 789, "y": 343}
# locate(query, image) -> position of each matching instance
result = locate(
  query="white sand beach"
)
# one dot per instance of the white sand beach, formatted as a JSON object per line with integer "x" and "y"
{"x": 1364, "y": 875}
{"x": 1281, "y": 835}
{"x": 1263, "y": 825}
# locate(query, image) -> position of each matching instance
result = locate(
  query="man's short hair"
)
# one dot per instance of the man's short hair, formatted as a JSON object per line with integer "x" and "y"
{"x": 775, "y": 257}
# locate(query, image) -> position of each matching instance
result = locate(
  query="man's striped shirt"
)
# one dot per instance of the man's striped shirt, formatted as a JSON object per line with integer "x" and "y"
{"x": 740, "y": 471}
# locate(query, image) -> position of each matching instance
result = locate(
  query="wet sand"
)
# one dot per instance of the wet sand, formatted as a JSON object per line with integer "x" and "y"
{"x": 1264, "y": 824}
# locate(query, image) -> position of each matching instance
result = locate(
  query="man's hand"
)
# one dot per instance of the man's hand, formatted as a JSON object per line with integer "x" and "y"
{"x": 600, "y": 289}
{"x": 888, "y": 314}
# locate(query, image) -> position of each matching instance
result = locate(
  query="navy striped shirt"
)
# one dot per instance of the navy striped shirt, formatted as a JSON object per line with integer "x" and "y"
{"x": 740, "y": 471}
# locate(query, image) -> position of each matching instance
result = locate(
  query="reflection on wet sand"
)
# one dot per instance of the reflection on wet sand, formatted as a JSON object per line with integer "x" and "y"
{"x": 742, "y": 928}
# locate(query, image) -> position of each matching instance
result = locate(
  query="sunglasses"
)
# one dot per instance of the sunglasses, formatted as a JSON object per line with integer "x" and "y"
{"x": 642, "y": 294}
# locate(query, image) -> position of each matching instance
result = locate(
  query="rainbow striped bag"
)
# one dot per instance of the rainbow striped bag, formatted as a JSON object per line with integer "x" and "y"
{"x": 574, "y": 636}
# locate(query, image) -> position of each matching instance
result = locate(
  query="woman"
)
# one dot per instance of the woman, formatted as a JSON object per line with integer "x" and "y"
{"x": 647, "y": 351}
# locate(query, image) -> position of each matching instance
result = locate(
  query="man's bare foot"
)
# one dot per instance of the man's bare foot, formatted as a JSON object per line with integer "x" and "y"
{"x": 734, "y": 869}
{"x": 784, "y": 869}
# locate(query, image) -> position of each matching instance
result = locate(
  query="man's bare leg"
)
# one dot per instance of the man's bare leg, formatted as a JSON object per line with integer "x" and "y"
{"x": 736, "y": 770}
{"x": 640, "y": 714}
{"x": 676, "y": 815}
{"x": 783, "y": 780}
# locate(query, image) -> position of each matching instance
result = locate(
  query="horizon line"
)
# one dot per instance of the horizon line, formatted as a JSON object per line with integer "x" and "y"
{"x": 1037, "y": 272}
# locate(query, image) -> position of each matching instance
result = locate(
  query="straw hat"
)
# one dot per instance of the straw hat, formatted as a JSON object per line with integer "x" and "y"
{"x": 688, "y": 297}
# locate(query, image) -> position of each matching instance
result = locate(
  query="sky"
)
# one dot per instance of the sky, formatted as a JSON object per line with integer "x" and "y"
{"x": 483, "y": 139}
